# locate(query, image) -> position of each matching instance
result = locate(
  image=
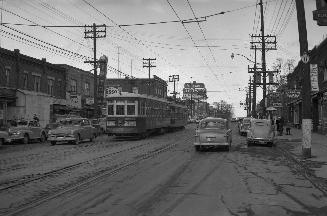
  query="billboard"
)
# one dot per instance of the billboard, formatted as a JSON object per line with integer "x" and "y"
{"x": 194, "y": 90}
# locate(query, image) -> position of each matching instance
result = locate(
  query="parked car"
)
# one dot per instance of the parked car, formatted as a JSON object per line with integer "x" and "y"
{"x": 244, "y": 126}
{"x": 72, "y": 130}
{"x": 51, "y": 126}
{"x": 25, "y": 131}
{"x": 261, "y": 132}
{"x": 213, "y": 132}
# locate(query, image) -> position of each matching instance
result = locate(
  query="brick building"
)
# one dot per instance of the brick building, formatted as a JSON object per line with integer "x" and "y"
{"x": 318, "y": 56}
{"x": 156, "y": 86}
{"x": 29, "y": 86}
{"x": 79, "y": 91}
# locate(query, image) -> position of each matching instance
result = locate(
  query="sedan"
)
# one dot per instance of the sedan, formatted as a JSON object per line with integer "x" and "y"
{"x": 213, "y": 132}
{"x": 260, "y": 132}
{"x": 72, "y": 130}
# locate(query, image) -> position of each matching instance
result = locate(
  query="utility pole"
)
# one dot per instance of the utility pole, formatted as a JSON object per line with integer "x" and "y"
{"x": 263, "y": 43}
{"x": 118, "y": 69}
{"x": 254, "y": 86}
{"x": 148, "y": 64}
{"x": 263, "y": 55}
{"x": 306, "y": 86}
{"x": 250, "y": 96}
{"x": 174, "y": 78}
{"x": 94, "y": 32}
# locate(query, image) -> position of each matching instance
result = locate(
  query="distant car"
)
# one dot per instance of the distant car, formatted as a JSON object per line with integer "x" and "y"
{"x": 244, "y": 126}
{"x": 72, "y": 130}
{"x": 26, "y": 131}
{"x": 261, "y": 132}
{"x": 213, "y": 132}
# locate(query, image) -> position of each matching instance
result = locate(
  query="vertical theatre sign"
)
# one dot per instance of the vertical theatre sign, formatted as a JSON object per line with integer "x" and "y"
{"x": 320, "y": 15}
{"x": 314, "y": 77}
{"x": 102, "y": 77}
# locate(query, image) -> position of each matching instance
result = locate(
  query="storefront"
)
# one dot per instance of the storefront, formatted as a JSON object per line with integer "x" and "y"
{"x": 7, "y": 99}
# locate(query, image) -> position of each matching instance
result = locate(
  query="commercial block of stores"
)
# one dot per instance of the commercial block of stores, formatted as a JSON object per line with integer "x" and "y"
{"x": 318, "y": 55}
{"x": 29, "y": 86}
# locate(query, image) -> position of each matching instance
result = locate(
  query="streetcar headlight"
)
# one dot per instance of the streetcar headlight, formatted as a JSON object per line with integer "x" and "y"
{"x": 130, "y": 123}
{"x": 111, "y": 123}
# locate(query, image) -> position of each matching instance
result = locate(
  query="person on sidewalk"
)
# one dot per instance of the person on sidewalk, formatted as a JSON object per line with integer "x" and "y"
{"x": 281, "y": 126}
{"x": 288, "y": 128}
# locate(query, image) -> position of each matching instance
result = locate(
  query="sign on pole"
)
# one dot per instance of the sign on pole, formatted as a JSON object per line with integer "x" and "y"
{"x": 314, "y": 77}
{"x": 305, "y": 58}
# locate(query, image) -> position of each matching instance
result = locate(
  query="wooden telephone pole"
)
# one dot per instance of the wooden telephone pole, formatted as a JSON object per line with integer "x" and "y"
{"x": 306, "y": 86}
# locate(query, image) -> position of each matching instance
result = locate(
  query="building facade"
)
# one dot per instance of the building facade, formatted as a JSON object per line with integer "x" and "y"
{"x": 79, "y": 92}
{"x": 156, "y": 86}
{"x": 29, "y": 86}
{"x": 318, "y": 60}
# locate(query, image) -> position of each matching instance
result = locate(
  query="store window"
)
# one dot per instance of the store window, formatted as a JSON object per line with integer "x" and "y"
{"x": 325, "y": 74}
{"x": 110, "y": 109}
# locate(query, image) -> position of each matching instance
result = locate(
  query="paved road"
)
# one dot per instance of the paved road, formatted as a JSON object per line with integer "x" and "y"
{"x": 179, "y": 181}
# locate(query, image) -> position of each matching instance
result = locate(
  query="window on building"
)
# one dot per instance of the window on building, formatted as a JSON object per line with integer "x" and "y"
{"x": 36, "y": 82}
{"x": 25, "y": 80}
{"x": 87, "y": 88}
{"x": 73, "y": 86}
{"x": 325, "y": 74}
{"x": 50, "y": 86}
{"x": 7, "y": 74}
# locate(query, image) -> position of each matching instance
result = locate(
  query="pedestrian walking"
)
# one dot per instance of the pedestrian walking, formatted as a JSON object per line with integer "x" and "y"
{"x": 288, "y": 128}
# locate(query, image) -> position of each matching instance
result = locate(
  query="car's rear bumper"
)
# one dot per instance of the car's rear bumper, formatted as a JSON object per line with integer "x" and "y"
{"x": 212, "y": 144}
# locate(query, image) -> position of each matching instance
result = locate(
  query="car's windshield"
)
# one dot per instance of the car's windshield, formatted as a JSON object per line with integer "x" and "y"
{"x": 213, "y": 125}
{"x": 261, "y": 124}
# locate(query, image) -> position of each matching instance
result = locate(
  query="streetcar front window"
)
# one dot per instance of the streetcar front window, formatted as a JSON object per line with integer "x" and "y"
{"x": 130, "y": 109}
{"x": 120, "y": 109}
{"x": 111, "y": 109}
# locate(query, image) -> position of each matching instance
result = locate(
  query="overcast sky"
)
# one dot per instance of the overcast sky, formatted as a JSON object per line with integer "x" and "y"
{"x": 179, "y": 49}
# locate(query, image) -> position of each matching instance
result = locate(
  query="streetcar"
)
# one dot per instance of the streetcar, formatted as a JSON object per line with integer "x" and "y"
{"x": 139, "y": 115}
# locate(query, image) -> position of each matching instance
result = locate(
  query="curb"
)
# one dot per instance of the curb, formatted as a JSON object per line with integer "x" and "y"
{"x": 289, "y": 139}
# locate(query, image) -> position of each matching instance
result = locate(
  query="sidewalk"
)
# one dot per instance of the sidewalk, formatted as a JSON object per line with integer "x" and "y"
{"x": 293, "y": 144}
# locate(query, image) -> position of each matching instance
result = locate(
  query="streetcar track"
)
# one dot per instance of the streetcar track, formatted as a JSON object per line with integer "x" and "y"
{"x": 111, "y": 171}
{"x": 18, "y": 182}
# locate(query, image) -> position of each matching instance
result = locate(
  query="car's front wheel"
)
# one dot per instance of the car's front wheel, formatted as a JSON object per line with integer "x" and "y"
{"x": 197, "y": 148}
{"x": 53, "y": 142}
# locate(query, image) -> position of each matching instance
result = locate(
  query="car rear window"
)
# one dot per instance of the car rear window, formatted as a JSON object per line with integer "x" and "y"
{"x": 213, "y": 125}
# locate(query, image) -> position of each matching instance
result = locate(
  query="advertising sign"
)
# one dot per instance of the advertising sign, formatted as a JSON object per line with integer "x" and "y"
{"x": 277, "y": 104}
{"x": 314, "y": 77}
{"x": 110, "y": 90}
{"x": 89, "y": 101}
{"x": 74, "y": 100}
{"x": 293, "y": 94}
{"x": 102, "y": 76}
